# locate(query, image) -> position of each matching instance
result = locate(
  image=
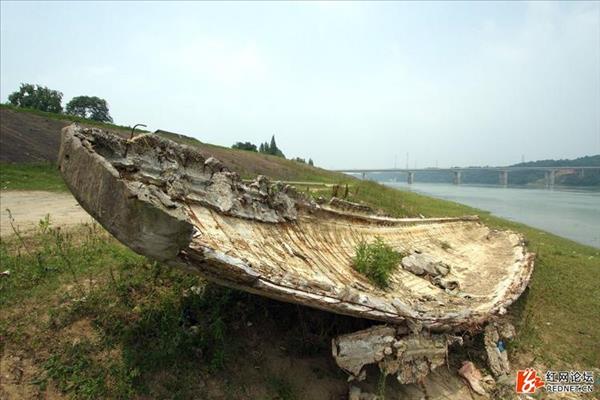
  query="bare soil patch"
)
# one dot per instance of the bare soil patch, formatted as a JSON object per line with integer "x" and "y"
{"x": 28, "y": 138}
{"x": 29, "y": 207}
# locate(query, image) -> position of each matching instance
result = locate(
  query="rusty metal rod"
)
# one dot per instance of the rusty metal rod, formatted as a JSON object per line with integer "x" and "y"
{"x": 131, "y": 137}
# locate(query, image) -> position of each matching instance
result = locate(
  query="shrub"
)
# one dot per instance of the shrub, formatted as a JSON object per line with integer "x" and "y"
{"x": 245, "y": 146}
{"x": 376, "y": 261}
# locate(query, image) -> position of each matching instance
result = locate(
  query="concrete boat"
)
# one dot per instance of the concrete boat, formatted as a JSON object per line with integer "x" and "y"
{"x": 174, "y": 204}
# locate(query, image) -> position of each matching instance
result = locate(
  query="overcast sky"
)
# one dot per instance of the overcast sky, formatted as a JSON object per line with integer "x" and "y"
{"x": 348, "y": 84}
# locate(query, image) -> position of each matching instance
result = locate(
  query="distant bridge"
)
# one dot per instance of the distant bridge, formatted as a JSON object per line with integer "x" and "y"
{"x": 550, "y": 172}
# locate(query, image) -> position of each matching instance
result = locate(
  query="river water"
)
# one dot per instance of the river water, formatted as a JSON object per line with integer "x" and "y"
{"x": 567, "y": 212}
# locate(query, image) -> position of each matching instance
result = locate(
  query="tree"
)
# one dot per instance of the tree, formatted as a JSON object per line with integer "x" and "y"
{"x": 37, "y": 97}
{"x": 273, "y": 149}
{"x": 270, "y": 148}
{"x": 310, "y": 162}
{"x": 245, "y": 146}
{"x": 90, "y": 107}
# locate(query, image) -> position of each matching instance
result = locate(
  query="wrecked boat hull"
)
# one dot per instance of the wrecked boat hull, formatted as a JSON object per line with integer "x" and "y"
{"x": 173, "y": 204}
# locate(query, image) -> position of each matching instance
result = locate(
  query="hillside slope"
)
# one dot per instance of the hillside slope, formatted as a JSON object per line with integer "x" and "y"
{"x": 28, "y": 138}
{"x": 34, "y": 137}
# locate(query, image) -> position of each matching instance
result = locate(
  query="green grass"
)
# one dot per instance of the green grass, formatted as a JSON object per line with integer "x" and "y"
{"x": 376, "y": 260}
{"x": 151, "y": 317}
{"x": 73, "y": 370}
{"x": 31, "y": 177}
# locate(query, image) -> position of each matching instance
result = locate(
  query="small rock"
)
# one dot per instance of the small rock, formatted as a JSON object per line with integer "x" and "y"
{"x": 421, "y": 264}
{"x": 472, "y": 376}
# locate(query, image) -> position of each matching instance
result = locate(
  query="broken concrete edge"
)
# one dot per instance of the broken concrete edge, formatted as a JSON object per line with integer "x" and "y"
{"x": 139, "y": 214}
{"x": 409, "y": 356}
{"x": 391, "y": 220}
{"x": 129, "y": 212}
{"x": 349, "y": 205}
{"x": 518, "y": 286}
{"x": 180, "y": 175}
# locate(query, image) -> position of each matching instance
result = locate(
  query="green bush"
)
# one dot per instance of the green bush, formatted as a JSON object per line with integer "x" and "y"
{"x": 376, "y": 261}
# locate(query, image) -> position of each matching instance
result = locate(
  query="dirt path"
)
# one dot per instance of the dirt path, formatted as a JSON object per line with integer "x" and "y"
{"x": 29, "y": 207}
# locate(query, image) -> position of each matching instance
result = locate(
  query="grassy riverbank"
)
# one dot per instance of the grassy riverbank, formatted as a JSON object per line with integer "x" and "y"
{"x": 90, "y": 319}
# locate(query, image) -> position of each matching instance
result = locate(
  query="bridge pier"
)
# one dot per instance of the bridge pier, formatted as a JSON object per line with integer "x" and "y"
{"x": 364, "y": 175}
{"x": 410, "y": 178}
{"x": 457, "y": 177}
{"x": 550, "y": 178}
{"x": 582, "y": 173}
{"x": 504, "y": 178}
